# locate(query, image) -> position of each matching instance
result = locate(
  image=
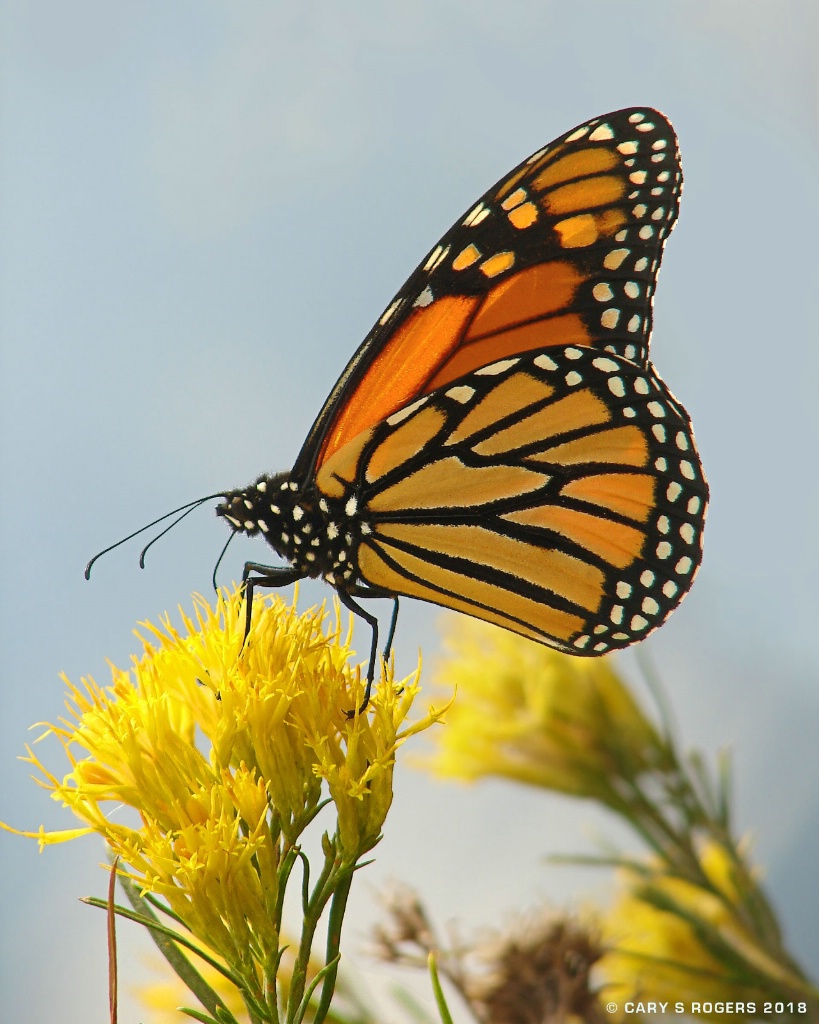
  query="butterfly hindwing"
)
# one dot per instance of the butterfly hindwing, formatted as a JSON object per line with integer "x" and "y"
{"x": 564, "y": 250}
{"x": 558, "y": 494}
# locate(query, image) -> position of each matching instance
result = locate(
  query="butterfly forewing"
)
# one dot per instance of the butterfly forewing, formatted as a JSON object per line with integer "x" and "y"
{"x": 558, "y": 494}
{"x": 564, "y": 250}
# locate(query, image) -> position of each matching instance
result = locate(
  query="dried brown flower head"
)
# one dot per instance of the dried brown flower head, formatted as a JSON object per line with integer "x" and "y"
{"x": 538, "y": 973}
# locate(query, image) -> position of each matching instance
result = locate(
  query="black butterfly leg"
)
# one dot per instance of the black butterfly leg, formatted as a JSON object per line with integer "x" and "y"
{"x": 391, "y": 633}
{"x": 349, "y": 602}
{"x": 272, "y": 576}
{"x": 374, "y": 592}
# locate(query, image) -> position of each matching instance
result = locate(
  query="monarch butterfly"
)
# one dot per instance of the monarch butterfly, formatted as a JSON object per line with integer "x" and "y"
{"x": 501, "y": 443}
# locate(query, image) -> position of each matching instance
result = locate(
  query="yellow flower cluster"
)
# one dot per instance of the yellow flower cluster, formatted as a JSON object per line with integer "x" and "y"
{"x": 530, "y": 714}
{"x": 202, "y": 765}
{"x": 672, "y": 939}
{"x": 692, "y": 925}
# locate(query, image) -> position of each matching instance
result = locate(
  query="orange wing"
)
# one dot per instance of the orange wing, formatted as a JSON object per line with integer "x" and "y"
{"x": 558, "y": 494}
{"x": 563, "y": 251}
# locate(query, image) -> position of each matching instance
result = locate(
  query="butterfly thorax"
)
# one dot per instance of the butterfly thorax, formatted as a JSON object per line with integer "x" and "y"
{"x": 318, "y": 535}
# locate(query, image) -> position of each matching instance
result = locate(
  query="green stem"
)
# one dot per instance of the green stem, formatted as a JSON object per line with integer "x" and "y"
{"x": 440, "y": 999}
{"x": 322, "y": 892}
{"x": 333, "y": 954}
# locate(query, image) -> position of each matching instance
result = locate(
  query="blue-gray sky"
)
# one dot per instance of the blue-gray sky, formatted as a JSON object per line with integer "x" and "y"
{"x": 204, "y": 207}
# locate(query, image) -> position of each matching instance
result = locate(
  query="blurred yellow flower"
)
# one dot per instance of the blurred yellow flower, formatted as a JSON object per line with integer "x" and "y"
{"x": 163, "y": 997}
{"x": 670, "y": 939}
{"x": 201, "y": 766}
{"x": 531, "y": 714}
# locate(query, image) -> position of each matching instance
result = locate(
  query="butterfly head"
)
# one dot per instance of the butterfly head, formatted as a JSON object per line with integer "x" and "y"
{"x": 261, "y": 508}
{"x": 295, "y": 525}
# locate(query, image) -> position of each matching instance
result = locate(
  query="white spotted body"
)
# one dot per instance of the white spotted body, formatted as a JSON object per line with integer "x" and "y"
{"x": 318, "y": 536}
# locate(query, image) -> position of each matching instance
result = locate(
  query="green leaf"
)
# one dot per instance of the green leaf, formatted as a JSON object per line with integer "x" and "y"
{"x": 440, "y": 1000}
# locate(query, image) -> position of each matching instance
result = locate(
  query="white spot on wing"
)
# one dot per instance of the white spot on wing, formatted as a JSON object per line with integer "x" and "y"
{"x": 435, "y": 257}
{"x": 602, "y": 133}
{"x": 462, "y": 393}
{"x": 494, "y": 368}
{"x": 545, "y": 363}
{"x": 614, "y": 258}
{"x": 476, "y": 215}
{"x": 408, "y": 410}
{"x": 389, "y": 311}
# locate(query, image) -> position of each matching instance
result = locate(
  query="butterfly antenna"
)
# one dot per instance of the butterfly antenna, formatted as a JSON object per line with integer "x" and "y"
{"x": 178, "y": 519}
{"x": 188, "y": 507}
{"x": 219, "y": 561}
